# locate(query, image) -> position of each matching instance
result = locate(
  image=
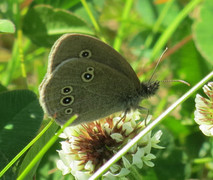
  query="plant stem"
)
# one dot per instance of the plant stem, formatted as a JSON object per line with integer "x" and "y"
{"x": 92, "y": 18}
{"x": 21, "y": 57}
{"x": 45, "y": 149}
{"x": 170, "y": 30}
{"x": 119, "y": 37}
{"x": 157, "y": 24}
{"x": 149, "y": 127}
{"x": 25, "y": 149}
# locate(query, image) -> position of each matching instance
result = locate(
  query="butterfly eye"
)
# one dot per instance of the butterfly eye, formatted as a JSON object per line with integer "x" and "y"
{"x": 90, "y": 69}
{"x": 85, "y": 53}
{"x": 67, "y": 100}
{"x": 87, "y": 76}
{"x": 66, "y": 90}
{"x": 68, "y": 111}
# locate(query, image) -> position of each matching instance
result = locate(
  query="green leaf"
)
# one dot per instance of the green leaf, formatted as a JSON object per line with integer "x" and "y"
{"x": 187, "y": 59}
{"x": 202, "y": 31}
{"x": 65, "y": 4}
{"x": 188, "y": 65}
{"x": 21, "y": 117}
{"x": 2, "y": 88}
{"x": 44, "y": 24}
{"x": 6, "y": 26}
{"x": 147, "y": 11}
{"x": 48, "y": 162}
{"x": 171, "y": 165}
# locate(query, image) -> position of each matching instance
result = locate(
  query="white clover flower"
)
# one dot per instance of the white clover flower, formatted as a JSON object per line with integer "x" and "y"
{"x": 204, "y": 110}
{"x": 88, "y": 146}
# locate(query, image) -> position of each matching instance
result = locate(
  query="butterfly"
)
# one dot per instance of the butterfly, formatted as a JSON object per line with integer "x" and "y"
{"x": 89, "y": 78}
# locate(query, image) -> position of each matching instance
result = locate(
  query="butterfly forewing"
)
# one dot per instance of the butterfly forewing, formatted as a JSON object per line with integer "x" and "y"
{"x": 71, "y": 46}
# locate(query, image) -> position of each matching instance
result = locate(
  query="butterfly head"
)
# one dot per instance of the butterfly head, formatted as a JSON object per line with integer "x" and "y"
{"x": 148, "y": 89}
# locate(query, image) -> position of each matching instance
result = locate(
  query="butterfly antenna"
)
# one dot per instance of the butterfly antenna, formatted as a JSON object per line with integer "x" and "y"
{"x": 157, "y": 64}
{"x": 176, "y": 80}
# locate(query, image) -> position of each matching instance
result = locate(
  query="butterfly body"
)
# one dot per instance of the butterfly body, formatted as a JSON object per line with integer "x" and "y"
{"x": 89, "y": 78}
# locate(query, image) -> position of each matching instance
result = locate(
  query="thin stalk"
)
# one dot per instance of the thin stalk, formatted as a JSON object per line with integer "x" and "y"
{"x": 92, "y": 18}
{"x": 170, "y": 30}
{"x": 119, "y": 37}
{"x": 45, "y": 149}
{"x": 135, "y": 173}
{"x": 11, "y": 66}
{"x": 25, "y": 149}
{"x": 21, "y": 57}
{"x": 157, "y": 24}
{"x": 149, "y": 127}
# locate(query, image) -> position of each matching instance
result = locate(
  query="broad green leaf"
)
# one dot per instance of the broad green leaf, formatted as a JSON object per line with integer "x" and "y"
{"x": 6, "y": 26}
{"x": 44, "y": 24}
{"x": 186, "y": 62}
{"x": 195, "y": 140}
{"x": 21, "y": 117}
{"x": 2, "y": 88}
{"x": 202, "y": 31}
{"x": 65, "y": 4}
{"x": 147, "y": 11}
{"x": 170, "y": 165}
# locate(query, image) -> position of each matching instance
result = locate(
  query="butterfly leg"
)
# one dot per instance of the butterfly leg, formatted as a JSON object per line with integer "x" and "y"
{"x": 123, "y": 117}
{"x": 147, "y": 114}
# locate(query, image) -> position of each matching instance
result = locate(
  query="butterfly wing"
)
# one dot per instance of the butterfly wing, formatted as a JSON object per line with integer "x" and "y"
{"x": 71, "y": 46}
{"x": 85, "y": 87}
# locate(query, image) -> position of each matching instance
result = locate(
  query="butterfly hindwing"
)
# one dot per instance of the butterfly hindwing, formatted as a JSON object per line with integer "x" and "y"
{"x": 85, "y": 87}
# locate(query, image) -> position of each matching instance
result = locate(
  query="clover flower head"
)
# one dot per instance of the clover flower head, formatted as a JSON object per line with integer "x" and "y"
{"x": 204, "y": 110}
{"x": 88, "y": 146}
